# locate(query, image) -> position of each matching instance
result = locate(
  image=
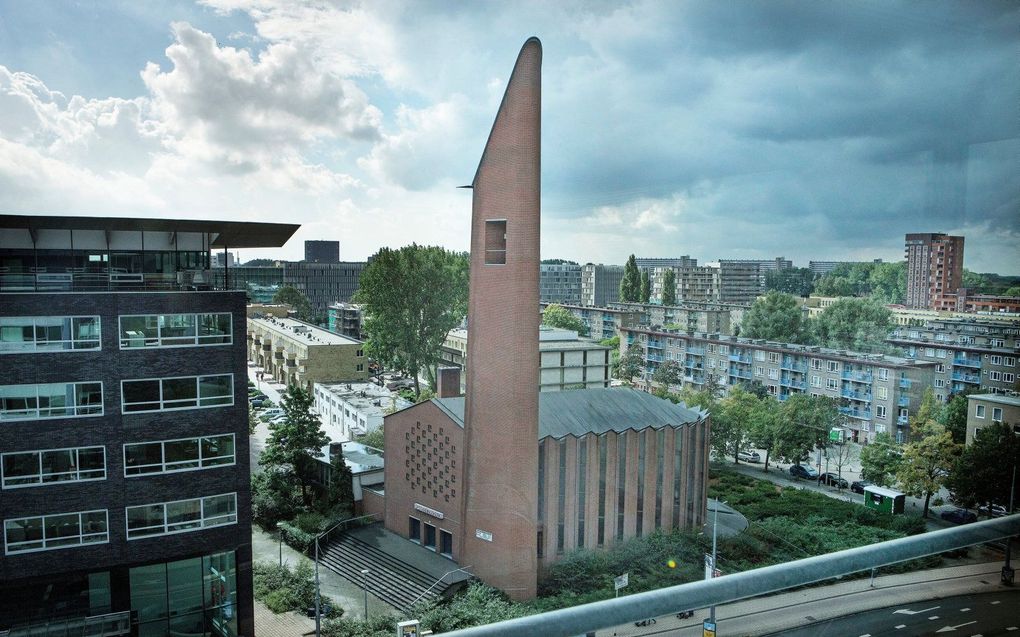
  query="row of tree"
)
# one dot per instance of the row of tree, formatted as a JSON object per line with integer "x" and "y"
{"x": 636, "y": 285}
{"x": 860, "y": 324}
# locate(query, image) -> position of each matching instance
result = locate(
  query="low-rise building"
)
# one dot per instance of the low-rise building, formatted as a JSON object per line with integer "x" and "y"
{"x": 903, "y": 315}
{"x": 967, "y": 353}
{"x": 604, "y": 322}
{"x": 567, "y": 361}
{"x": 353, "y": 409}
{"x": 877, "y": 392}
{"x": 986, "y": 409}
{"x": 346, "y": 319}
{"x": 292, "y": 351}
{"x": 691, "y": 316}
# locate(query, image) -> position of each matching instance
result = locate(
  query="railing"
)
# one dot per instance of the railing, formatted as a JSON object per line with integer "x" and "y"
{"x": 967, "y": 378}
{"x": 904, "y": 401}
{"x": 737, "y": 358}
{"x": 857, "y": 377}
{"x": 436, "y": 583}
{"x": 967, "y": 362}
{"x": 905, "y": 383}
{"x": 902, "y": 420}
{"x": 790, "y": 364}
{"x": 853, "y": 395}
{"x": 697, "y": 351}
{"x": 862, "y": 414}
{"x": 108, "y": 625}
{"x": 789, "y": 382}
{"x": 105, "y": 281}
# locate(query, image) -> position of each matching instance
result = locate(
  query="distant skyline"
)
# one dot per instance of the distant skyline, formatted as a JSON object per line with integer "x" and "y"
{"x": 744, "y": 130}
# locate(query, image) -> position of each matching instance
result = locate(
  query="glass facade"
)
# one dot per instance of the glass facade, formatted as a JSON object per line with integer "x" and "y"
{"x": 24, "y": 334}
{"x": 186, "y": 454}
{"x": 165, "y": 518}
{"x": 187, "y": 598}
{"x": 185, "y": 392}
{"x": 50, "y": 400}
{"x": 33, "y": 468}
{"x": 49, "y": 532}
{"x": 175, "y": 330}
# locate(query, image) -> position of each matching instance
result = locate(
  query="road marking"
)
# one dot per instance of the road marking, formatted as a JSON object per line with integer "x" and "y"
{"x": 933, "y": 617}
{"x": 866, "y": 635}
{"x": 949, "y": 629}
{"x": 996, "y": 602}
{"x": 904, "y": 611}
{"x": 1011, "y": 628}
{"x": 964, "y": 610}
{"x": 901, "y": 626}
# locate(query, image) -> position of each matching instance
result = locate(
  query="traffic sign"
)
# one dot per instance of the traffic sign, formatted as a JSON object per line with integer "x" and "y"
{"x": 708, "y": 628}
{"x": 621, "y": 581}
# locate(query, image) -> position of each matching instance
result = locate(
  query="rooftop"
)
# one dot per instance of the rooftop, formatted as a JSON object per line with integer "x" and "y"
{"x": 365, "y": 397}
{"x": 304, "y": 332}
{"x": 1012, "y": 400}
{"x": 582, "y": 411}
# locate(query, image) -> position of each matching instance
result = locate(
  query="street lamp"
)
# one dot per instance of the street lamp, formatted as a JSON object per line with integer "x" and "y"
{"x": 710, "y": 573}
{"x": 364, "y": 580}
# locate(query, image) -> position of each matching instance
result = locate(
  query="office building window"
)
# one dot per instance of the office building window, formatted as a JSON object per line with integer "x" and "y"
{"x": 181, "y": 516}
{"x": 183, "y": 454}
{"x": 50, "y": 400}
{"x": 182, "y": 392}
{"x": 58, "y": 531}
{"x": 49, "y": 466}
{"x": 26, "y": 334}
{"x": 175, "y": 330}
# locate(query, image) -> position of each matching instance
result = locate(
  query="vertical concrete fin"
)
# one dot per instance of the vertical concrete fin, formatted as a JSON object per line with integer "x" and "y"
{"x": 500, "y": 503}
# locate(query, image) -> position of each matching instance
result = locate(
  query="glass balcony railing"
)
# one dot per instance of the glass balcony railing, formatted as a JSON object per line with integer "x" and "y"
{"x": 964, "y": 361}
{"x": 857, "y": 377}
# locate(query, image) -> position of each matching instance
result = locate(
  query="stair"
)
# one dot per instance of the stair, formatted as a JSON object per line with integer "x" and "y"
{"x": 389, "y": 579}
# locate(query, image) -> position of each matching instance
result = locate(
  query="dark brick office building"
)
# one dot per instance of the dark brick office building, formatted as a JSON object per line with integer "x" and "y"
{"x": 124, "y": 466}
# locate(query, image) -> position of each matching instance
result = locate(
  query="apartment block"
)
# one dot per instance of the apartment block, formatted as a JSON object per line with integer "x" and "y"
{"x": 934, "y": 270}
{"x": 604, "y": 322}
{"x": 692, "y": 283}
{"x": 295, "y": 352}
{"x": 718, "y": 318}
{"x": 877, "y": 392}
{"x": 353, "y": 409}
{"x": 647, "y": 263}
{"x": 346, "y": 319}
{"x": 560, "y": 283}
{"x": 743, "y": 280}
{"x": 967, "y": 353}
{"x": 821, "y": 268}
{"x": 600, "y": 284}
{"x": 124, "y": 461}
{"x": 986, "y": 409}
{"x": 902, "y": 315}
{"x": 566, "y": 360}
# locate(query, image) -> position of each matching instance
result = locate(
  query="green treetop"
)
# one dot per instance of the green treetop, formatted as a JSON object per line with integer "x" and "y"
{"x": 556, "y": 316}
{"x": 669, "y": 287}
{"x": 775, "y": 317}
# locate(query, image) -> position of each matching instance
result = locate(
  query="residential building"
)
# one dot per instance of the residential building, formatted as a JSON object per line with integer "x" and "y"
{"x": 743, "y": 280}
{"x": 816, "y": 304}
{"x": 692, "y": 283}
{"x": 612, "y": 464}
{"x": 295, "y": 352}
{"x": 653, "y": 263}
{"x": 934, "y": 270}
{"x": 902, "y": 315}
{"x": 690, "y": 316}
{"x": 967, "y": 353}
{"x": 124, "y": 462}
{"x": 353, "y": 409}
{"x": 566, "y": 360}
{"x": 965, "y": 301}
{"x": 603, "y": 322}
{"x": 600, "y": 284}
{"x": 323, "y": 283}
{"x": 986, "y": 409}
{"x": 322, "y": 251}
{"x": 367, "y": 467}
{"x": 560, "y": 283}
{"x": 821, "y": 268}
{"x": 346, "y": 319}
{"x": 877, "y": 392}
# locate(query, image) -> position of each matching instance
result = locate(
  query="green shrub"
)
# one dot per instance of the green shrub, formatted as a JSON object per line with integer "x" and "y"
{"x": 478, "y": 605}
{"x": 282, "y": 589}
{"x": 380, "y": 626}
{"x": 296, "y": 538}
{"x": 274, "y": 498}
{"x": 312, "y": 522}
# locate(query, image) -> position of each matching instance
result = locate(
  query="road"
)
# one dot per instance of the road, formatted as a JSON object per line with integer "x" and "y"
{"x": 985, "y": 614}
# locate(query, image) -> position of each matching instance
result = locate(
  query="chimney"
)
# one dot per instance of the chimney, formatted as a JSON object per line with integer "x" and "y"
{"x": 447, "y": 382}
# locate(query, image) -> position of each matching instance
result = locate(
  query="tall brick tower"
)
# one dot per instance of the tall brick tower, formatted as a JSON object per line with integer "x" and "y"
{"x": 501, "y": 411}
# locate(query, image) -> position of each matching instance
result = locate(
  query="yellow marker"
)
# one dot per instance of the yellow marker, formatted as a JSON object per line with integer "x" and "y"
{"x": 671, "y": 563}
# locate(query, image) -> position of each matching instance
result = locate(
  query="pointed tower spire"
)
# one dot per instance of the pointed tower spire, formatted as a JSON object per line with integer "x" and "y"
{"x": 501, "y": 411}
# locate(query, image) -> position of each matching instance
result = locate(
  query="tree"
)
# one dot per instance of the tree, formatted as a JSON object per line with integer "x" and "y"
{"x": 340, "y": 494}
{"x": 288, "y": 295}
{"x": 775, "y": 317}
{"x": 888, "y": 282}
{"x": 795, "y": 281}
{"x": 765, "y": 426}
{"x": 630, "y": 284}
{"x": 983, "y": 474}
{"x": 926, "y": 462}
{"x": 731, "y": 422}
{"x": 881, "y": 460}
{"x": 855, "y": 324}
{"x": 668, "y": 373}
{"x": 556, "y": 316}
{"x": 631, "y": 363}
{"x": 807, "y": 420}
{"x": 669, "y": 287}
{"x": 413, "y": 297}
{"x": 646, "y": 287}
{"x": 839, "y": 455}
{"x": 296, "y": 441}
{"x": 263, "y": 263}
{"x": 376, "y": 438}
{"x": 929, "y": 410}
{"x": 558, "y": 262}
{"x": 1013, "y": 291}
{"x": 953, "y": 416}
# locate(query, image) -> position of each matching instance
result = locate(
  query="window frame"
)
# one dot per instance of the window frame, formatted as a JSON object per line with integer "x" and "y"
{"x": 163, "y": 461}
{"x": 98, "y": 340}
{"x": 202, "y": 519}
{"x": 162, "y": 401}
{"x": 40, "y": 475}
{"x": 158, "y": 340}
{"x": 76, "y": 407}
{"x": 81, "y": 535}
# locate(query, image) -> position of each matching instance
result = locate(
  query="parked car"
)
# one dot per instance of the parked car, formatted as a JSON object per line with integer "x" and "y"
{"x": 857, "y": 486}
{"x": 997, "y": 510}
{"x": 257, "y": 402}
{"x": 833, "y": 480}
{"x": 958, "y": 516}
{"x": 801, "y": 471}
{"x": 749, "y": 456}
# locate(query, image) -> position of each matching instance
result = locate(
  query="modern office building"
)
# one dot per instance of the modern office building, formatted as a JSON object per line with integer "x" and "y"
{"x": 322, "y": 251}
{"x": 878, "y": 392}
{"x": 295, "y": 352}
{"x": 968, "y": 354}
{"x": 934, "y": 270}
{"x": 560, "y": 283}
{"x": 346, "y": 319}
{"x": 124, "y": 462}
{"x": 323, "y": 283}
{"x": 600, "y": 284}
{"x": 647, "y": 263}
{"x": 986, "y": 409}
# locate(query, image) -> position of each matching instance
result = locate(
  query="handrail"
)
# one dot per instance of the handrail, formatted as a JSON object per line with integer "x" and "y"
{"x": 333, "y": 528}
{"x": 425, "y": 592}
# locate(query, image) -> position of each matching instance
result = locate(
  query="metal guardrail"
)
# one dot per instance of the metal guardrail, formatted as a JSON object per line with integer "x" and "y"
{"x": 108, "y": 625}
{"x": 703, "y": 594}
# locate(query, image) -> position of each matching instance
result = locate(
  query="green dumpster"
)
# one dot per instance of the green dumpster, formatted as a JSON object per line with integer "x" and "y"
{"x": 884, "y": 500}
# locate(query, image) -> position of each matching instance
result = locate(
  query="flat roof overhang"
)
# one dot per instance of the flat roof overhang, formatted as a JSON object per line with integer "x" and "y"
{"x": 228, "y": 234}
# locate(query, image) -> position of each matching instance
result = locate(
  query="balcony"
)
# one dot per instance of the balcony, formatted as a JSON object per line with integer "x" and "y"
{"x": 967, "y": 378}
{"x": 740, "y": 373}
{"x": 77, "y": 280}
{"x": 654, "y": 344}
{"x": 856, "y": 395}
{"x": 786, "y": 381}
{"x": 696, "y": 351}
{"x": 862, "y": 414}
{"x": 656, "y": 358}
{"x": 904, "y": 401}
{"x": 963, "y": 361}
{"x": 740, "y": 358}
{"x": 792, "y": 365}
{"x": 857, "y": 377}
{"x": 905, "y": 383}
{"x": 901, "y": 420}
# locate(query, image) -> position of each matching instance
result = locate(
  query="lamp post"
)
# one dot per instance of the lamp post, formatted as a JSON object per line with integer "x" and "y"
{"x": 709, "y": 574}
{"x": 364, "y": 581}
{"x": 317, "y": 607}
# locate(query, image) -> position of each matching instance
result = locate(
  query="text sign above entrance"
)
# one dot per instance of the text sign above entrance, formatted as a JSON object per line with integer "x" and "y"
{"x": 427, "y": 511}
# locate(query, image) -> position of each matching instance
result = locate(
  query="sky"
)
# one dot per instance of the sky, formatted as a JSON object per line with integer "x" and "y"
{"x": 811, "y": 130}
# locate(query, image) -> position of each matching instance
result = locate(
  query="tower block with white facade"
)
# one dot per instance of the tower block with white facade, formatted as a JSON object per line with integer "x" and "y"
{"x": 501, "y": 415}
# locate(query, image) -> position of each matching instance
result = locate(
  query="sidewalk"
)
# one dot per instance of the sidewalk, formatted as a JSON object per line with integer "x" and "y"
{"x": 767, "y": 614}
